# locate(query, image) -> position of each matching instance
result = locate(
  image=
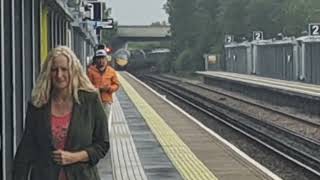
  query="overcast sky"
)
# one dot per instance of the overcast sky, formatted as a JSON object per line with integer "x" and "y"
{"x": 137, "y": 12}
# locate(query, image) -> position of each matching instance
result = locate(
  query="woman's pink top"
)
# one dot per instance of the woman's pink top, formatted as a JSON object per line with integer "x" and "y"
{"x": 59, "y": 128}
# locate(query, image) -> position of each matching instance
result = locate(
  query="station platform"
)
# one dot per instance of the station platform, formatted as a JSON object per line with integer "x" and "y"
{"x": 293, "y": 87}
{"x": 296, "y": 98}
{"x": 151, "y": 138}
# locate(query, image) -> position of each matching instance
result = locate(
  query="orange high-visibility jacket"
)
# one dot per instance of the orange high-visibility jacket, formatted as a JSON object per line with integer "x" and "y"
{"x": 107, "y": 78}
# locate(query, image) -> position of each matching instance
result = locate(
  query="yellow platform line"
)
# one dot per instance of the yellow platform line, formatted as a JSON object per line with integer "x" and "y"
{"x": 188, "y": 165}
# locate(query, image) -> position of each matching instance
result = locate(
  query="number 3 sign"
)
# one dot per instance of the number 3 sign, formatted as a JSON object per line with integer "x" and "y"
{"x": 314, "y": 29}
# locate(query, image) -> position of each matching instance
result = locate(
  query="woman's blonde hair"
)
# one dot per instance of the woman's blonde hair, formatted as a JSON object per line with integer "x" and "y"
{"x": 78, "y": 79}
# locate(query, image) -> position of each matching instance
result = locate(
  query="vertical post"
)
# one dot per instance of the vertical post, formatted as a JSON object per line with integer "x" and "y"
{"x": 33, "y": 44}
{"x": 7, "y": 95}
{"x": 13, "y": 69}
{"x": 23, "y": 59}
{"x": 37, "y": 37}
{"x": 303, "y": 61}
{"x": 60, "y": 21}
{"x": 17, "y": 76}
{"x": 249, "y": 58}
{"x": 2, "y": 140}
{"x": 44, "y": 33}
{"x": 56, "y": 30}
{"x": 295, "y": 61}
{"x": 52, "y": 29}
{"x": 205, "y": 56}
{"x": 84, "y": 54}
{"x": 255, "y": 57}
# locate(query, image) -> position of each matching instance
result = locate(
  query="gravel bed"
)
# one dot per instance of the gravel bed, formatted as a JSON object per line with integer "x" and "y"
{"x": 294, "y": 125}
{"x": 286, "y": 109}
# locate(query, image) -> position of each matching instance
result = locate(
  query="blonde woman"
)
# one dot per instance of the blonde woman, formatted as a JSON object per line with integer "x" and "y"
{"x": 66, "y": 128}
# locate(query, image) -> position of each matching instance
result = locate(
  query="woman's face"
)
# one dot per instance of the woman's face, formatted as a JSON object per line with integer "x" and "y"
{"x": 60, "y": 77}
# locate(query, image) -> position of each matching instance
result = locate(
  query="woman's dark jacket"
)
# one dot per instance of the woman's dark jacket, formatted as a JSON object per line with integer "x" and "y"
{"x": 88, "y": 130}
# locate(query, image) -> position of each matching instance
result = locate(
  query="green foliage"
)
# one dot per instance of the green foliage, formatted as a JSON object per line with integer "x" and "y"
{"x": 199, "y": 26}
{"x": 290, "y": 17}
{"x": 187, "y": 61}
{"x": 194, "y": 28}
{"x": 164, "y": 65}
{"x": 233, "y": 16}
{"x": 184, "y": 60}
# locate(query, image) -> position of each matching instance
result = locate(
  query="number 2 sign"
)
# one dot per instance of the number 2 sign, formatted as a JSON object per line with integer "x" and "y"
{"x": 228, "y": 39}
{"x": 257, "y": 35}
{"x": 314, "y": 29}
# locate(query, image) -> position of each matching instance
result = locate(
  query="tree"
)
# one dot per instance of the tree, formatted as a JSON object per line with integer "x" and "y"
{"x": 198, "y": 26}
{"x": 209, "y": 27}
{"x": 184, "y": 26}
{"x": 233, "y": 17}
{"x": 265, "y": 16}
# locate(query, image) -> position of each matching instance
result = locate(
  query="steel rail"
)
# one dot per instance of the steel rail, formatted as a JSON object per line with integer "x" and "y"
{"x": 291, "y": 153}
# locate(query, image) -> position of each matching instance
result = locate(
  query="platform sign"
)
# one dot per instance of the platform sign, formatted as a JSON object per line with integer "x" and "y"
{"x": 90, "y": 11}
{"x": 228, "y": 39}
{"x": 212, "y": 59}
{"x": 257, "y": 35}
{"x": 105, "y": 24}
{"x": 93, "y": 11}
{"x": 100, "y": 1}
{"x": 97, "y": 11}
{"x": 314, "y": 29}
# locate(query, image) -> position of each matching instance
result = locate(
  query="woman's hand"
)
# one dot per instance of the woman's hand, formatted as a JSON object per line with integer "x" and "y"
{"x": 62, "y": 157}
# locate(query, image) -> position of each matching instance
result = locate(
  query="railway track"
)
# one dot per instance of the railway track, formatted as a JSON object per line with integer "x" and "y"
{"x": 307, "y": 128}
{"x": 205, "y": 87}
{"x": 302, "y": 151}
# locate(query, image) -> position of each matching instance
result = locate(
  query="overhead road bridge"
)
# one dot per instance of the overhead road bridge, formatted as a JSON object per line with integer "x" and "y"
{"x": 137, "y": 33}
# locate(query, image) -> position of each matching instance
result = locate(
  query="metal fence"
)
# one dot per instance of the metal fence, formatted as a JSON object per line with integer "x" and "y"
{"x": 275, "y": 59}
{"x": 287, "y": 59}
{"x": 20, "y": 64}
{"x": 309, "y": 59}
{"x": 238, "y": 58}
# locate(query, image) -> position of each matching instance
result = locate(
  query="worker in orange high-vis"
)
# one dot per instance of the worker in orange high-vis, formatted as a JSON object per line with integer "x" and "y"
{"x": 104, "y": 78}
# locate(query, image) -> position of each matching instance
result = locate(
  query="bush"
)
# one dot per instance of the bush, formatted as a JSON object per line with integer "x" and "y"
{"x": 188, "y": 61}
{"x": 164, "y": 65}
